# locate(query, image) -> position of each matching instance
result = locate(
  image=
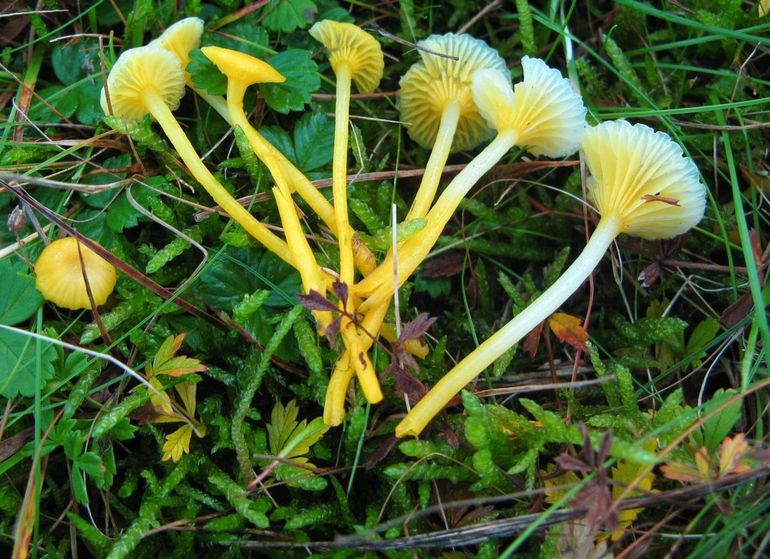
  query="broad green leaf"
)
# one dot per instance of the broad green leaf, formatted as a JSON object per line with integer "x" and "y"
{"x": 302, "y": 80}
{"x": 313, "y": 141}
{"x": 73, "y": 61}
{"x": 704, "y": 332}
{"x": 58, "y": 104}
{"x": 289, "y": 15}
{"x": 205, "y": 75}
{"x": 18, "y": 364}
{"x": 242, "y": 36}
{"x": 18, "y": 298}
{"x": 237, "y": 271}
{"x": 719, "y": 425}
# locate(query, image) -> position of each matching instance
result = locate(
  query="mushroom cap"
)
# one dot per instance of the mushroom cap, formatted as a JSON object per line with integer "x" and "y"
{"x": 351, "y": 45}
{"x": 436, "y": 80}
{"x": 181, "y": 38}
{"x": 59, "y": 277}
{"x": 544, "y": 109}
{"x": 642, "y": 177}
{"x": 241, "y": 67}
{"x": 138, "y": 73}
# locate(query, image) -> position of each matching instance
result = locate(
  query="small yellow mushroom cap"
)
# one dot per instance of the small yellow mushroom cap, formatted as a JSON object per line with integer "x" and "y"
{"x": 241, "y": 67}
{"x": 352, "y": 46}
{"x": 181, "y": 38}
{"x": 138, "y": 74}
{"x": 59, "y": 276}
{"x": 436, "y": 80}
{"x": 642, "y": 177}
{"x": 544, "y": 109}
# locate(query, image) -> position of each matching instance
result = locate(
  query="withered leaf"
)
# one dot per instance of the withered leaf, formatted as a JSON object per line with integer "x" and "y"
{"x": 314, "y": 301}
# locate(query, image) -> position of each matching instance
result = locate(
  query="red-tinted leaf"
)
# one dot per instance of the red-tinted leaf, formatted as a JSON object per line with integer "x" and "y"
{"x": 414, "y": 329}
{"x": 568, "y": 329}
{"x": 340, "y": 289}
{"x": 314, "y": 301}
{"x": 570, "y": 463}
{"x": 532, "y": 340}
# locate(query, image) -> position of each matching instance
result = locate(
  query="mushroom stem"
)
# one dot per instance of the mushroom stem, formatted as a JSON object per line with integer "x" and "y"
{"x": 377, "y": 284}
{"x": 340, "y": 173}
{"x": 334, "y": 406}
{"x": 307, "y": 266}
{"x": 224, "y": 199}
{"x": 277, "y": 163}
{"x": 438, "y": 156}
{"x": 537, "y": 311}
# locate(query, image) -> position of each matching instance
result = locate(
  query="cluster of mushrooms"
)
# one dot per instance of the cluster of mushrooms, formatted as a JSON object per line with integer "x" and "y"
{"x": 456, "y": 97}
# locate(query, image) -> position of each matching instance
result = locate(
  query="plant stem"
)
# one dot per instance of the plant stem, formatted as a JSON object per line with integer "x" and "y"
{"x": 224, "y": 199}
{"x": 537, "y": 311}
{"x": 412, "y": 252}
{"x": 438, "y": 156}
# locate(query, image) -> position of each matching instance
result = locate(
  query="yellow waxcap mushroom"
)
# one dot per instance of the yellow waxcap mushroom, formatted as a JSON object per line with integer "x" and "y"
{"x": 150, "y": 80}
{"x": 543, "y": 109}
{"x": 59, "y": 275}
{"x": 242, "y": 67}
{"x": 351, "y": 46}
{"x": 181, "y": 38}
{"x": 643, "y": 177}
{"x": 436, "y": 81}
{"x": 140, "y": 74}
{"x": 642, "y": 185}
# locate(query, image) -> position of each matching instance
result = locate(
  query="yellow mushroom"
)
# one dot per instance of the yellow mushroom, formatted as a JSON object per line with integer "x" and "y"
{"x": 181, "y": 38}
{"x": 641, "y": 185}
{"x": 150, "y": 80}
{"x": 354, "y": 55}
{"x": 243, "y": 70}
{"x": 436, "y": 104}
{"x": 59, "y": 275}
{"x": 542, "y": 113}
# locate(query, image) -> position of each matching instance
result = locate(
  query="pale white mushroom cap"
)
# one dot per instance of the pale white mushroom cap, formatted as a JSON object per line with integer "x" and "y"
{"x": 443, "y": 75}
{"x": 643, "y": 177}
{"x": 544, "y": 109}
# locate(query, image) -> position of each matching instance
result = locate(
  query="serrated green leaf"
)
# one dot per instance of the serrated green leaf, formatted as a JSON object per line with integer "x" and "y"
{"x": 383, "y": 239}
{"x": 18, "y": 364}
{"x": 57, "y": 104}
{"x": 288, "y": 15}
{"x": 79, "y": 485}
{"x": 717, "y": 427}
{"x": 302, "y": 80}
{"x": 237, "y": 271}
{"x": 242, "y": 36}
{"x": 313, "y": 141}
{"x": 18, "y": 298}
{"x": 90, "y": 463}
{"x": 704, "y": 332}
{"x": 73, "y": 60}
{"x": 205, "y": 75}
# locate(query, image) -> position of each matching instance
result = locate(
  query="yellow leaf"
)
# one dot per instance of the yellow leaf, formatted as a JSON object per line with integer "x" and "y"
{"x": 731, "y": 455}
{"x": 568, "y": 329}
{"x": 703, "y": 463}
{"x": 764, "y": 8}
{"x": 177, "y": 443}
{"x": 624, "y": 474}
{"x": 159, "y": 399}
{"x": 186, "y": 391}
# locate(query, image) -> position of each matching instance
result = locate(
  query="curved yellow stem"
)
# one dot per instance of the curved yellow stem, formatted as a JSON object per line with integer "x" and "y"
{"x": 340, "y": 173}
{"x": 436, "y": 162}
{"x": 221, "y": 197}
{"x": 537, "y": 311}
{"x": 378, "y": 286}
